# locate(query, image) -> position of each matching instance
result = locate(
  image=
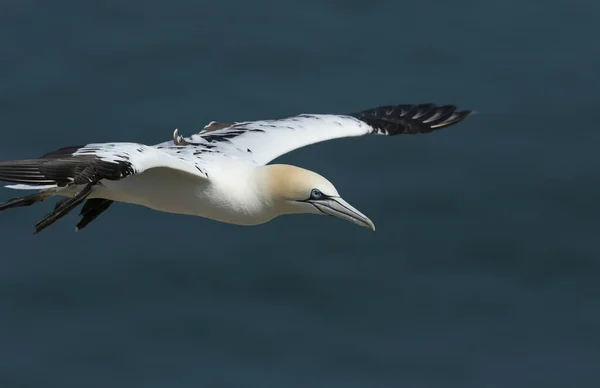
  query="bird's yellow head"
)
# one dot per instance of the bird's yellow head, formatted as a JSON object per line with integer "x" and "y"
{"x": 295, "y": 190}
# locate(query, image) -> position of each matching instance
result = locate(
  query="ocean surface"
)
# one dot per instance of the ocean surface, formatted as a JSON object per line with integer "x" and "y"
{"x": 483, "y": 272}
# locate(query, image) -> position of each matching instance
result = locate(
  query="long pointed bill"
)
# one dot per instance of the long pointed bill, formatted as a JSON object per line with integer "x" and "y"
{"x": 337, "y": 207}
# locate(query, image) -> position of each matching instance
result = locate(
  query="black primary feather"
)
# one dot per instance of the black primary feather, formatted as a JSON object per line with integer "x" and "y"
{"x": 411, "y": 119}
{"x": 60, "y": 167}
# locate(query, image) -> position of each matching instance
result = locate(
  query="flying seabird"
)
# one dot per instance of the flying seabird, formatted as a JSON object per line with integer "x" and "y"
{"x": 220, "y": 173}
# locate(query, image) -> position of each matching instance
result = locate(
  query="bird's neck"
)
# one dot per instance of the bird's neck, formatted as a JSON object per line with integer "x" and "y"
{"x": 241, "y": 195}
{"x": 254, "y": 195}
{"x": 279, "y": 188}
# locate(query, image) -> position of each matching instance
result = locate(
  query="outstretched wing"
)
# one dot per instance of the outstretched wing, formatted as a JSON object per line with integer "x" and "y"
{"x": 94, "y": 162}
{"x": 265, "y": 140}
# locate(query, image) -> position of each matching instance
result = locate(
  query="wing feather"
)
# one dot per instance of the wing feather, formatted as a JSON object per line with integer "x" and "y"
{"x": 264, "y": 140}
{"x": 93, "y": 163}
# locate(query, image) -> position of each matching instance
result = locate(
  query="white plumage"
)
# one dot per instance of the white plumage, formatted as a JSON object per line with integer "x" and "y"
{"x": 220, "y": 173}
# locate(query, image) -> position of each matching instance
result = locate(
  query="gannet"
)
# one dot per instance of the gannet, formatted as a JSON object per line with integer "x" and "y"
{"x": 220, "y": 173}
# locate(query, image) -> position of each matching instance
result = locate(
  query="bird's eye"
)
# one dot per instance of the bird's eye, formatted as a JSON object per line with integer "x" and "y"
{"x": 315, "y": 194}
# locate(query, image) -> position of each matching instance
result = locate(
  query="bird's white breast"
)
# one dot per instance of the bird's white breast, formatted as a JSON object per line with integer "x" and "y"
{"x": 231, "y": 195}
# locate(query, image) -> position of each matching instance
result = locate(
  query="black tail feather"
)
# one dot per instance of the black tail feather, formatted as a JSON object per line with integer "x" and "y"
{"x": 23, "y": 201}
{"x": 92, "y": 208}
{"x": 59, "y": 203}
{"x": 64, "y": 208}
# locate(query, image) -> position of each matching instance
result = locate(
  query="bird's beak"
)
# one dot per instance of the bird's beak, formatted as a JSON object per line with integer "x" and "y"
{"x": 337, "y": 207}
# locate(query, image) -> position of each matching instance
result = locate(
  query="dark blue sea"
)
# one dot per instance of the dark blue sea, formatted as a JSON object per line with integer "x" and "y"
{"x": 484, "y": 269}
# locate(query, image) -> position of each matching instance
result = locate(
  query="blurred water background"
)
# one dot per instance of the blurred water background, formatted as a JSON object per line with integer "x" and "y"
{"x": 484, "y": 268}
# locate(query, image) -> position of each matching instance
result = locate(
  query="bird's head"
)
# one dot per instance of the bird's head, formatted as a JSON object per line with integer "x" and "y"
{"x": 295, "y": 190}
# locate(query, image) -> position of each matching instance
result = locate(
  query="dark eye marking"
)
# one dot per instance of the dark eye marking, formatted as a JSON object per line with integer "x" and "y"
{"x": 316, "y": 194}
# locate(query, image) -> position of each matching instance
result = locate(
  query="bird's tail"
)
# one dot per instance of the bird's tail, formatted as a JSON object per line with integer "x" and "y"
{"x": 91, "y": 209}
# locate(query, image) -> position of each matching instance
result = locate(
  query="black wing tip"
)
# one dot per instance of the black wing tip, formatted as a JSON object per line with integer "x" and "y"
{"x": 411, "y": 118}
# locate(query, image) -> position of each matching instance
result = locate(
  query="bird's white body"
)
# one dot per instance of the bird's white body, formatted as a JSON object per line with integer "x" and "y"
{"x": 236, "y": 195}
{"x": 220, "y": 173}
